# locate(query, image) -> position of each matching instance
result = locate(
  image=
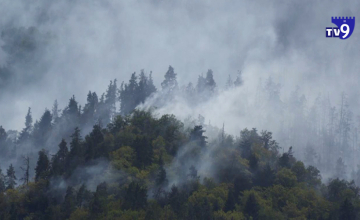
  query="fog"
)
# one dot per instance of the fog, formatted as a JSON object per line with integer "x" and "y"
{"x": 81, "y": 46}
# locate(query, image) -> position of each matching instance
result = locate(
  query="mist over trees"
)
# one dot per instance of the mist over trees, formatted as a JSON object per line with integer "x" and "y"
{"x": 111, "y": 159}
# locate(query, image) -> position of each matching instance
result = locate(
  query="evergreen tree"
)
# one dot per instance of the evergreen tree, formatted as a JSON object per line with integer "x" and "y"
{"x": 26, "y": 169}
{"x": 2, "y": 182}
{"x": 230, "y": 201}
{"x": 60, "y": 159}
{"x": 201, "y": 85}
{"x": 193, "y": 173}
{"x": 210, "y": 82}
{"x": 241, "y": 183}
{"x": 10, "y": 177}
{"x": 238, "y": 81}
{"x": 55, "y": 112}
{"x": 69, "y": 204}
{"x": 42, "y": 166}
{"x": 347, "y": 210}
{"x": 340, "y": 169}
{"x": 265, "y": 177}
{"x": 75, "y": 144}
{"x": 252, "y": 208}
{"x": 177, "y": 200}
{"x": 76, "y": 151}
{"x": 253, "y": 162}
{"x": 108, "y": 109}
{"x": 81, "y": 196}
{"x": 4, "y": 143}
{"x": 135, "y": 197}
{"x": 310, "y": 155}
{"x": 190, "y": 93}
{"x": 93, "y": 146}
{"x": 72, "y": 109}
{"x": 97, "y": 205}
{"x": 42, "y": 129}
{"x": 70, "y": 116}
{"x": 150, "y": 88}
{"x": 170, "y": 83}
{"x": 129, "y": 97}
{"x": 161, "y": 180}
{"x": 196, "y": 135}
{"x": 25, "y": 133}
{"x": 266, "y": 138}
{"x": 90, "y": 108}
{"x": 142, "y": 89}
{"x": 144, "y": 152}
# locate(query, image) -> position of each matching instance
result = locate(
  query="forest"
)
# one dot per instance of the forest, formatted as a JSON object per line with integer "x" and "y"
{"x": 200, "y": 110}
{"x": 97, "y": 162}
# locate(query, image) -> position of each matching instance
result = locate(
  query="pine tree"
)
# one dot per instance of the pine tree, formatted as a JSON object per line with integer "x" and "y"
{"x": 97, "y": 205}
{"x": 4, "y": 143}
{"x": 347, "y": 210}
{"x": 141, "y": 93}
{"x": 80, "y": 196}
{"x": 90, "y": 108}
{"x": 340, "y": 169}
{"x": 150, "y": 89}
{"x": 144, "y": 152}
{"x": 55, "y": 112}
{"x": 252, "y": 207}
{"x": 75, "y": 144}
{"x": 129, "y": 96}
{"x": 60, "y": 159}
{"x": 230, "y": 201}
{"x": 25, "y": 133}
{"x": 93, "y": 146}
{"x": 108, "y": 110}
{"x": 201, "y": 85}
{"x": 10, "y": 177}
{"x": 43, "y": 129}
{"x": 42, "y": 166}
{"x": 161, "y": 180}
{"x": 193, "y": 173}
{"x": 76, "y": 151}
{"x": 69, "y": 204}
{"x": 253, "y": 162}
{"x": 2, "y": 182}
{"x": 26, "y": 169}
{"x": 170, "y": 83}
{"x": 135, "y": 197}
{"x": 72, "y": 109}
{"x": 196, "y": 135}
{"x": 210, "y": 82}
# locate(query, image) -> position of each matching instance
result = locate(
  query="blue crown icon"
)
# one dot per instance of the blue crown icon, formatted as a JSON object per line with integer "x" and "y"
{"x": 343, "y": 24}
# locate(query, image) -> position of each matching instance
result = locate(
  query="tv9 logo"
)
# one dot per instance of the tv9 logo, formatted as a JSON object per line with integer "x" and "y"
{"x": 345, "y": 27}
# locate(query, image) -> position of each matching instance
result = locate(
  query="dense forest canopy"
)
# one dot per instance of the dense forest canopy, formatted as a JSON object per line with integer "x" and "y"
{"x": 113, "y": 160}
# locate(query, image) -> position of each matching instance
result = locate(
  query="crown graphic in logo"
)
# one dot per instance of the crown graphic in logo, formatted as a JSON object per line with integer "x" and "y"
{"x": 345, "y": 24}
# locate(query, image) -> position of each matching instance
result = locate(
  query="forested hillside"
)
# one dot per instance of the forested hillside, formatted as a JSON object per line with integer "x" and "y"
{"x": 97, "y": 162}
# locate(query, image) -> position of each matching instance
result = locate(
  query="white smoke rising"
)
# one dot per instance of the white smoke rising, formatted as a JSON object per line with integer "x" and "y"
{"x": 92, "y": 42}
{"x": 87, "y": 44}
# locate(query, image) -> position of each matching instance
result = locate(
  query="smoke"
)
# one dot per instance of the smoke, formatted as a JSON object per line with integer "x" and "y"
{"x": 81, "y": 46}
{"x": 91, "y": 175}
{"x": 89, "y": 43}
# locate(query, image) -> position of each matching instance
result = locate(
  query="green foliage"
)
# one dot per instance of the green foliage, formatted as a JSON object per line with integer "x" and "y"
{"x": 10, "y": 177}
{"x": 246, "y": 179}
{"x": 286, "y": 178}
